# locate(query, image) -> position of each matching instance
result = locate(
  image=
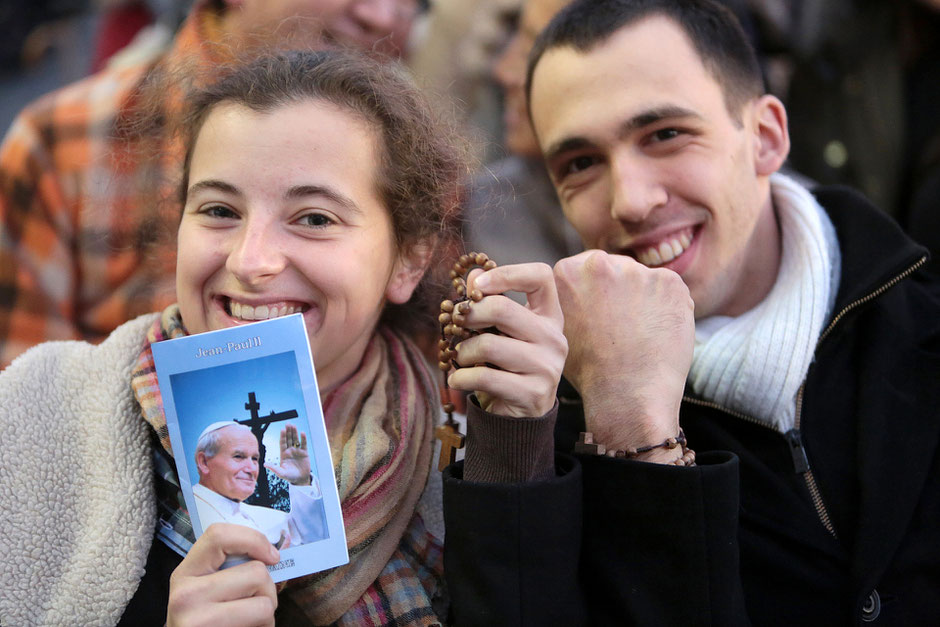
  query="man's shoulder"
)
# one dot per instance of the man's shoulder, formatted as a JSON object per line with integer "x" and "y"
{"x": 876, "y": 253}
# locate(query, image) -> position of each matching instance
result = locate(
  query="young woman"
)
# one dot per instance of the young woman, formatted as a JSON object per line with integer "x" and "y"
{"x": 314, "y": 182}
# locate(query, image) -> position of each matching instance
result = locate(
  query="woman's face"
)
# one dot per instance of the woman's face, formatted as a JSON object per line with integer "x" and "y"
{"x": 283, "y": 215}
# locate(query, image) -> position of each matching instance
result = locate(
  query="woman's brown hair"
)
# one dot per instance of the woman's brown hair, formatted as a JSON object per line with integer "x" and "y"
{"x": 422, "y": 160}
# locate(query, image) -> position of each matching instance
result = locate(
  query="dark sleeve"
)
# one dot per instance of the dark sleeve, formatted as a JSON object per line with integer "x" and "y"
{"x": 511, "y": 550}
{"x": 606, "y": 542}
{"x": 659, "y": 542}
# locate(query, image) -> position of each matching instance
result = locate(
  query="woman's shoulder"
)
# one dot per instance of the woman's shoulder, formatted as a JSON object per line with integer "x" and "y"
{"x": 122, "y": 345}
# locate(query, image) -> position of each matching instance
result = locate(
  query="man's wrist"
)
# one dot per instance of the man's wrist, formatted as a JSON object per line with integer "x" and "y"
{"x": 671, "y": 451}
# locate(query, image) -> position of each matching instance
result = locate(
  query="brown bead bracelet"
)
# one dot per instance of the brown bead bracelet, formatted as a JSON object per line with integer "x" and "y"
{"x": 586, "y": 445}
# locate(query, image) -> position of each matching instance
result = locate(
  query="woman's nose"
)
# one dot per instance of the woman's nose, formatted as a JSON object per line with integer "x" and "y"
{"x": 255, "y": 255}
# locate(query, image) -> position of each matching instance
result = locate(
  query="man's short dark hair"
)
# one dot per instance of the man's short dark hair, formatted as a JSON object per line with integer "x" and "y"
{"x": 714, "y": 31}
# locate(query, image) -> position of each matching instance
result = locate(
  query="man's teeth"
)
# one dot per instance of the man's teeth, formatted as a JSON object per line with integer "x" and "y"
{"x": 261, "y": 312}
{"x": 666, "y": 251}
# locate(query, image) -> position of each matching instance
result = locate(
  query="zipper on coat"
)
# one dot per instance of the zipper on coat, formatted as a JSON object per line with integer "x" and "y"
{"x": 796, "y": 443}
{"x": 793, "y": 436}
{"x": 801, "y": 465}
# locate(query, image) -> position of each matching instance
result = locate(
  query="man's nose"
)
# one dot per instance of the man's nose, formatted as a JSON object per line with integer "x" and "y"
{"x": 635, "y": 190}
{"x": 509, "y": 68}
{"x": 383, "y": 17}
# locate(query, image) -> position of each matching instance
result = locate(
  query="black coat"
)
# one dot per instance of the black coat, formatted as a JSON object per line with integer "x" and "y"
{"x": 741, "y": 538}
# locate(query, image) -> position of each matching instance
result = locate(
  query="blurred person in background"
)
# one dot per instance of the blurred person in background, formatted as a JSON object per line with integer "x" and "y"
{"x": 80, "y": 251}
{"x": 512, "y": 212}
{"x": 863, "y": 108}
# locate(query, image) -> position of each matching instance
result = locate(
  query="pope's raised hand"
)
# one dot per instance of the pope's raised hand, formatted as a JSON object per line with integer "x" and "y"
{"x": 295, "y": 461}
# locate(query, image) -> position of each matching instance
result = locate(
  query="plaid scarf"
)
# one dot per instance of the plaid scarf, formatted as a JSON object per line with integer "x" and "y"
{"x": 379, "y": 425}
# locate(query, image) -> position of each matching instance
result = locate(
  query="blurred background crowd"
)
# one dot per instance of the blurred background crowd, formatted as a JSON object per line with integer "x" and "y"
{"x": 860, "y": 79}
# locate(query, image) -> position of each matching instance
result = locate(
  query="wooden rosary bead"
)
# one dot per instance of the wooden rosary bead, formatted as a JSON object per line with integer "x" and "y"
{"x": 453, "y": 315}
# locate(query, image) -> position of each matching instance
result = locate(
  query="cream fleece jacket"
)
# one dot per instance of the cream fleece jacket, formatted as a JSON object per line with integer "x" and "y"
{"x": 76, "y": 487}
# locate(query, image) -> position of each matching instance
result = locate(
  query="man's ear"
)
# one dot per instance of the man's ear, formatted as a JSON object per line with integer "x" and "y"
{"x": 771, "y": 135}
{"x": 408, "y": 270}
{"x": 201, "y": 463}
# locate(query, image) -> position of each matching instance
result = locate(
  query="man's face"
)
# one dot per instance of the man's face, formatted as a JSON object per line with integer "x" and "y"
{"x": 233, "y": 471}
{"x": 510, "y": 72}
{"x": 648, "y": 162}
{"x": 371, "y": 25}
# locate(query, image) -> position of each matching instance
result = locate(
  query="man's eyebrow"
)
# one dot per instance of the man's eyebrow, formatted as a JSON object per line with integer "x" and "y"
{"x": 638, "y": 121}
{"x": 300, "y": 191}
{"x": 654, "y": 115}
{"x": 568, "y": 144}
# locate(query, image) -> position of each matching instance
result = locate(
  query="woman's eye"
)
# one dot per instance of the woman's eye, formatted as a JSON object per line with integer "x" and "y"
{"x": 315, "y": 219}
{"x": 219, "y": 211}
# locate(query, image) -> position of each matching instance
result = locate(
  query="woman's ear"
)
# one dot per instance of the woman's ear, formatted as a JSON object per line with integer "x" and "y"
{"x": 771, "y": 134}
{"x": 408, "y": 270}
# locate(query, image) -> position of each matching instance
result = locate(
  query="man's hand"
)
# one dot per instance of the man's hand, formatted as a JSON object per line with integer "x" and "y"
{"x": 516, "y": 373}
{"x": 631, "y": 332}
{"x": 295, "y": 461}
{"x": 201, "y": 594}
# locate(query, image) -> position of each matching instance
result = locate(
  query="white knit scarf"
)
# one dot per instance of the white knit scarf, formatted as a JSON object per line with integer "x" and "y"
{"x": 755, "y": 363}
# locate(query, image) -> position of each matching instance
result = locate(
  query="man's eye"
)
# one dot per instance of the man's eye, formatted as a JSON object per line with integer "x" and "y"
{"x": 665, "y": 134}
{"x": 579, "y": 164}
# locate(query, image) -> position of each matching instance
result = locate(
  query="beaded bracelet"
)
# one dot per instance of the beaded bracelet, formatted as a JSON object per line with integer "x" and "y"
{"x": 586, "y": 445}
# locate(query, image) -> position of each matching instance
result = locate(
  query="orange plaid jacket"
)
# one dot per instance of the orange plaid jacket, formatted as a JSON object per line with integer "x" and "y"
{"x": 81, "y": 251}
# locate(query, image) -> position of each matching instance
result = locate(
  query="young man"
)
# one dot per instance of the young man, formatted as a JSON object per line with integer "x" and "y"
{"x": 81, "y": 250}
{"x": 807, "y": 381}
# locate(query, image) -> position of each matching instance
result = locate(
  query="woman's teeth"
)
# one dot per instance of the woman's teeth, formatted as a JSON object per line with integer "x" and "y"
{"x": 261, "y": 312}
{"x": 666, "y": 251}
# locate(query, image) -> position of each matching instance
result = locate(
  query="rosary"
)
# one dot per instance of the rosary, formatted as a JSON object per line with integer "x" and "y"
{"x": 453, "y": 316}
